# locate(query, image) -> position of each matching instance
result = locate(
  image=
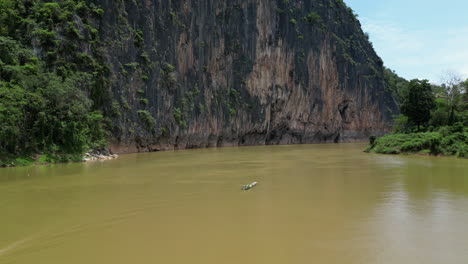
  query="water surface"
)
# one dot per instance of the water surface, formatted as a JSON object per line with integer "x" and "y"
{"x": 314, "y": 204}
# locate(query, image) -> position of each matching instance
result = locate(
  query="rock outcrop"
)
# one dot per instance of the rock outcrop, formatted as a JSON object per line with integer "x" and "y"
{"x": 204, "y": 73}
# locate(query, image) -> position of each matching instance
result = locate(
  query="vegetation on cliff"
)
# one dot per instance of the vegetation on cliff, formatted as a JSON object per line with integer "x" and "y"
{"x": 49, "y": 89}
{"x": 434, "y": 119}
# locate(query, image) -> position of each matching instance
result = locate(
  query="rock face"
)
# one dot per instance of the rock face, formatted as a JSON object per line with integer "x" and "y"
{"x": 206, "y": 73}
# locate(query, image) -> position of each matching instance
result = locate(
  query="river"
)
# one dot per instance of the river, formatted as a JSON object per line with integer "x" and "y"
{"x": 327, "y": 203}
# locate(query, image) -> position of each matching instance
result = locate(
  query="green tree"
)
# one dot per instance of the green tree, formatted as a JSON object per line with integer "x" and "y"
{"x": 419, "y": 103}
{"x": 452, "y": 85}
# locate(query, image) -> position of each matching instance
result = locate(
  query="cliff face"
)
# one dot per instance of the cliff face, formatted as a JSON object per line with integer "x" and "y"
{"x": 203, "y": 73}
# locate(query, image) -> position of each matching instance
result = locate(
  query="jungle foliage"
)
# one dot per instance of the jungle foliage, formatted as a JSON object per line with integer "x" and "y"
{"x": 50, "y": 91}
{"x": 434, "y": 118}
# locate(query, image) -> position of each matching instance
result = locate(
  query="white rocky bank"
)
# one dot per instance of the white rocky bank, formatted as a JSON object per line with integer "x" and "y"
{"x": 97, "y": 155}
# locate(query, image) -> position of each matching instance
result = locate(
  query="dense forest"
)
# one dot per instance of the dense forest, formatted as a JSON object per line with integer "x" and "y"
{"x": 49, "y": 104}
{"x": 433, "y": 119}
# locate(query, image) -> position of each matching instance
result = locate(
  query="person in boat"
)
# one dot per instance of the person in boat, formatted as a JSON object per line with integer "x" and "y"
{"x": 249, "y": 186}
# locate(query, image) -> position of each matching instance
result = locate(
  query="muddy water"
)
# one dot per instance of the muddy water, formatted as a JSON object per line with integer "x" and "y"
{"x": 313, "y": 204}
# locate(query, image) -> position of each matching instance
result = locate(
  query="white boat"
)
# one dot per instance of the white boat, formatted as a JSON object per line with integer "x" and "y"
{"x": 249, "y": 186}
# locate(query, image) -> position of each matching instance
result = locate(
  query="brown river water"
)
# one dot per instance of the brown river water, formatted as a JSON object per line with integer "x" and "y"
{"x": 313, "y": 204}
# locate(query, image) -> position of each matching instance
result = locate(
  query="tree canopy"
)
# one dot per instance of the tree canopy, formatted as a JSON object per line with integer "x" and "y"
{"x": 419, "y": 103}
{"x": 48, "y": 98}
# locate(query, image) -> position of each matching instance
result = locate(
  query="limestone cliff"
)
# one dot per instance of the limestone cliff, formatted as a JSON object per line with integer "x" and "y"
{"x": 206, "y": 73}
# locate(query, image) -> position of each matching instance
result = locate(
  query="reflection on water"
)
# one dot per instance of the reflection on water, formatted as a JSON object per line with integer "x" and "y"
{"x": 314, "y": 203}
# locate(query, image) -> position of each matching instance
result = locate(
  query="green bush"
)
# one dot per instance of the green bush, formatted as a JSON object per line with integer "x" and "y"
{"x": 179, "y": 118}
{"x": 446, "y": 141}
{"x": 147, "y": 119}
{"x": 139, "y": 40}
{"x": 462, "y": 150}
{"x": 133, "y": 65}
{"x": 143, "y": 101}
{"x": 312, "y": 18}
{"x": 98, "y": 11}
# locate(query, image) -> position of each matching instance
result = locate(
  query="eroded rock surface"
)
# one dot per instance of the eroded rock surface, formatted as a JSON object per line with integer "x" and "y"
{"x": 240, "y": 72}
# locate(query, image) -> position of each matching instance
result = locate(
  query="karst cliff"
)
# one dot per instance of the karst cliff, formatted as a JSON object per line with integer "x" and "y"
{"x": 176, "y": 74}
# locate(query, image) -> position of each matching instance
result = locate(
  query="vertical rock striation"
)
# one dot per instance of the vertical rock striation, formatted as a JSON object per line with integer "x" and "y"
{"x": 203, "y": 73}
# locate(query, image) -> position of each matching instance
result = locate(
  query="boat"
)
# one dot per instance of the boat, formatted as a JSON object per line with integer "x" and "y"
{"x": 249, "y": 186}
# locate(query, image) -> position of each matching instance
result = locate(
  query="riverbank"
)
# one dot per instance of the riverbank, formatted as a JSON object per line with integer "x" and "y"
{"x": 447, "y": 141}
{"x": 114, "y": 151}
{"x": 47, "y": 158}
